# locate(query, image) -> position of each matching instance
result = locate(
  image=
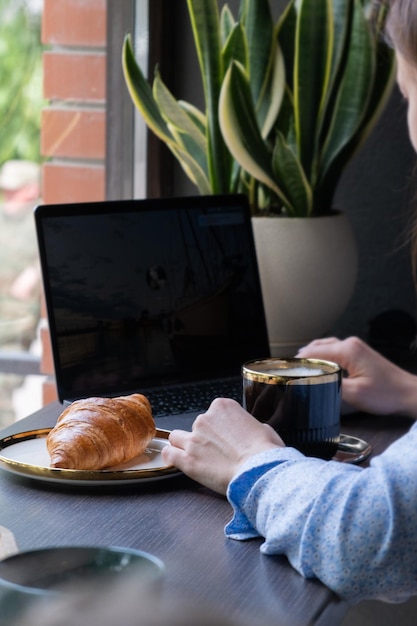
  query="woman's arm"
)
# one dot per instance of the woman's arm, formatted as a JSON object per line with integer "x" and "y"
{"x": 354, "y": 529}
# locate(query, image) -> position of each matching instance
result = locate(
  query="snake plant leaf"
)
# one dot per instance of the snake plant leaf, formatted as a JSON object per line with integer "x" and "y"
{"x": 192, "y": 169}
{"x": 205, "y": 22}
{"x": 285, "y": 32}
{"x": 227, "y": 23}
{"x": 342, "y": 19}
{"x": 266, "y": 201}
{"x": 241, "y": 131}
{"x": 177, "y": 118}
{"x": 141, "y": 93}
{"x": 311, "y": 74}
{"x": 384, "y": 81}
{"x": 287, "y": 104}
{"x": 381, "y": 90}
{"x": 195, "y": 115}
{"x": 355, "y": 90}
{"x": 285, "y": 119}
{"x": 271, "y": 98}
{"x": 142, "y": 96}
{"x": 235, "y": 47}
{"x": 255, "y": 15}
{"x": 339, "y": 33}
{"x": 291, "y": 179}
{"x": 266, "y": 64}
{"x": 190, "y": 146}
{"x": 187, "y": 144}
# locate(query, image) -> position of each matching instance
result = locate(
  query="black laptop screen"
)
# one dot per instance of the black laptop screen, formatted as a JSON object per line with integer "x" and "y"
{"x": 147, "y": 292}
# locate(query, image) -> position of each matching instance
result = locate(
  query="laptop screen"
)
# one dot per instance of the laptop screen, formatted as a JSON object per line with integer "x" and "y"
{"x": 149, "y": 292}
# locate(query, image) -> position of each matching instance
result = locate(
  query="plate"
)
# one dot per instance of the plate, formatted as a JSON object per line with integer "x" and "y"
{"x": 26, "y": 454}
{"x": 352, "y": 450}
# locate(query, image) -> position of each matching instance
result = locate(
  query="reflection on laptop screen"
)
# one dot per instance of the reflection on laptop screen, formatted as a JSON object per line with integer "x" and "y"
{"x": 149, "y": 292}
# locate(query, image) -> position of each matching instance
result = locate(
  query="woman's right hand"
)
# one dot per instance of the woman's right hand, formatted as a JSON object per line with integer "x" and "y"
{"x": 373, "y": 383}
{"x": 220, "y": 442}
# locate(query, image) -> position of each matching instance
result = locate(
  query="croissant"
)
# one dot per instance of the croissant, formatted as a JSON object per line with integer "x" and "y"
{"x": 95, "y": 433}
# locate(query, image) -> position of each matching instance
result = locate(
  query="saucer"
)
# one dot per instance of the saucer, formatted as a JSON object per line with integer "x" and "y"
{"x": 352, "y": 450}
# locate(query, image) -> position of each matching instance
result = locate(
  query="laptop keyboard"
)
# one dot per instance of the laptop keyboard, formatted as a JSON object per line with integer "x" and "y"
{"x": 192, "y": 397}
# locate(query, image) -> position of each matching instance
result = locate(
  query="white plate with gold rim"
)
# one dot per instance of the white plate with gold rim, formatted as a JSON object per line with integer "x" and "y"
{"x": 26, "y": 454}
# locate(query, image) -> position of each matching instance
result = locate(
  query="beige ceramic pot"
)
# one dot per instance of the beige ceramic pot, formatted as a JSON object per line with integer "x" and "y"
{"x": 308, "y": 269}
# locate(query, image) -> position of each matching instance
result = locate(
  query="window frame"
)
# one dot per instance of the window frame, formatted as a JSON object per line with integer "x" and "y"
{"x": 120, "y": 118}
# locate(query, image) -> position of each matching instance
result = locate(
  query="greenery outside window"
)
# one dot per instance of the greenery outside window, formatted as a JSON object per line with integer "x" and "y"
{"x": 21, "y": 102}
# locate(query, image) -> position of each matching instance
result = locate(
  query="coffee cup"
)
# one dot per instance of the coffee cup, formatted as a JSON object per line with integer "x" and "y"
{"x": 299, "y": 398}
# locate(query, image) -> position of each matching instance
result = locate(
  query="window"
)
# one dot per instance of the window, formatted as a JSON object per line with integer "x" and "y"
{"x": 92, "y": 144}
{"x": 20, "y": 106}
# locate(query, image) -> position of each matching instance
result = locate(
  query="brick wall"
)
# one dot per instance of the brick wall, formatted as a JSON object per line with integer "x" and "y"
{"x": 73, "y": 123}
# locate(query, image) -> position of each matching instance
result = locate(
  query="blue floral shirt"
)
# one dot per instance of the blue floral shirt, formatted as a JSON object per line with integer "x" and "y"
{"x": 353, "y": 528}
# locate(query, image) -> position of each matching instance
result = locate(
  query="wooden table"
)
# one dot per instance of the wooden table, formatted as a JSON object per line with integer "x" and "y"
{"x": 182, "y": 523}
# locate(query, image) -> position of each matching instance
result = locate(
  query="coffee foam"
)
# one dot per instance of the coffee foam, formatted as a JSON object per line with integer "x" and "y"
{"x": 295, "y": 372}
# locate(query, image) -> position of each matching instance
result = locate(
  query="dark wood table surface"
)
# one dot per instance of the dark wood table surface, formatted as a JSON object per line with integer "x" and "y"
{"x": 182, "y": 523}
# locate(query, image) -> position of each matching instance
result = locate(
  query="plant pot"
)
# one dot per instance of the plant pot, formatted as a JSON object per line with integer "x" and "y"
{"x": 308, "y": 269}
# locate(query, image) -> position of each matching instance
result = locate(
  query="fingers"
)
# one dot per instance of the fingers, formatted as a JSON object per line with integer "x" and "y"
{"x": 178, "y": 438}
{"x": 174, "y": 454}
{"x": 318, "y": 345}
{"x": 190, "y": 453}
{"x": 330, "y": 349}
{"x": 322, "y": 341}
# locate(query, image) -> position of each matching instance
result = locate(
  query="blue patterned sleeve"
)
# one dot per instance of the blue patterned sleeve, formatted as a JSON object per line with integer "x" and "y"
{"x": 353, "y": 528}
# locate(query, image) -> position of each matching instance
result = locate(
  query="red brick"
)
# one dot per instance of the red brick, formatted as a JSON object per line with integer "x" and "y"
{"x": 64, "y": 183}
{"x": 74, "y": 22}
{"x": 73, "y": 132}
{"x": 73, "y": 135}
{"x": 72, "y": 77}
{"x": 49, "y": 392}
{"x": 43, "y": 305}
{"x": 47, "y": 364}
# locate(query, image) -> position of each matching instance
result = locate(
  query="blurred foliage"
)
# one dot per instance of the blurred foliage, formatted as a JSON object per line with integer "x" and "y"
{"x": 20, "y": 79}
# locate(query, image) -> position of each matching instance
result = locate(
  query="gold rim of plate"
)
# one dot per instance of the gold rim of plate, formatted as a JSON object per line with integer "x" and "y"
{"x": 59, "y": 474}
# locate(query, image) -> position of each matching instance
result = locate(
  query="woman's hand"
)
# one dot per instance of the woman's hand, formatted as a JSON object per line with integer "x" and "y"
{"x": 222, "y": 439}
{"x": 373, "y": 384}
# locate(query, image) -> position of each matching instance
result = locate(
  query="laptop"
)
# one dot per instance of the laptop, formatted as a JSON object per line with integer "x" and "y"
{"x": 154, "y": 296}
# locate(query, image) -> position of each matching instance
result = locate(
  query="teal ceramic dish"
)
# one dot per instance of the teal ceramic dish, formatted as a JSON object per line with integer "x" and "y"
{"x": 26, "y": 576}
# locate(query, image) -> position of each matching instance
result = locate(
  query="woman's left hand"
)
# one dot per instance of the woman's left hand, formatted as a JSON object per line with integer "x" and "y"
{"x": 221, "y": 440}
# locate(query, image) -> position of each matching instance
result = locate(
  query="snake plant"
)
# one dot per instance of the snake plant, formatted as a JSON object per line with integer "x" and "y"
{"x": 287, "y": 102}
